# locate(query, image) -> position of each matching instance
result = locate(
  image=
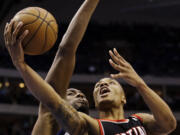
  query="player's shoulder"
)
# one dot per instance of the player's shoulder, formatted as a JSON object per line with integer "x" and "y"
{"x": 88, "y": 119}
{"x": 91, "y": 124}
{"x": 136, "y": 117}
{"x": 144, "y": 117}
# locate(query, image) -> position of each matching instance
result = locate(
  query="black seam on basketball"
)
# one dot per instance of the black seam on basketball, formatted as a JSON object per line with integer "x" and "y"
{"x": 37, "y": 9}
{"x": 41, "y": 19}
{"x": 37, "y": 17}
{"x": 24, "y": 46}
{"x": 44, "y": 45}
{"x": 30, "y": 22}
{"x": 54, "y": 31}
{"x": 32, "y": 15}
{"x": 35, "y": 31}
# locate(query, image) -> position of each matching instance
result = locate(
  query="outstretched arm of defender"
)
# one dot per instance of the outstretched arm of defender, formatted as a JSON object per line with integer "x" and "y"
{"x": 163, "y": 120}
{"x": 64, "y": 62}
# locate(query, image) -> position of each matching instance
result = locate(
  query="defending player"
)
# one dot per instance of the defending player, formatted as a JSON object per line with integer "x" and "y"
{"x": 62, "y": 68}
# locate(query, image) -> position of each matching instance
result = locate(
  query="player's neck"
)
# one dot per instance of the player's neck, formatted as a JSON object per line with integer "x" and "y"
{"x": 113, "y": 114}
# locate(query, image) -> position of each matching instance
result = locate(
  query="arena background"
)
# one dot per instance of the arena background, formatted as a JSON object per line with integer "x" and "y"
{"x": 146, "y": 32}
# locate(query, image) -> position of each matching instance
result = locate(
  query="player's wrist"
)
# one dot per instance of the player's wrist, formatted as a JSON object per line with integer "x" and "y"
{"x": 19, "y": 64}
{"x": 95, "y": 2}
{"x": 141, "y": 85}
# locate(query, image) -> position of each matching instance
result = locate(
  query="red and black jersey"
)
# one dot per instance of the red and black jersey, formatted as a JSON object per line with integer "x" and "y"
{"x": 131, "y": 126}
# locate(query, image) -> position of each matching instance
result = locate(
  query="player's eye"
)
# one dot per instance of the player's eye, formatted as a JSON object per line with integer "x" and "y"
{"x": 70, "y": 94}
{"x": 97, "y": 85}
{"x": 111, "y": 82}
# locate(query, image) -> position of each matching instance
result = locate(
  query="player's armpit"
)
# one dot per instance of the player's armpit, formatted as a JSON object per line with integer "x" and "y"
{"x": 151, "y": 125}
{"x": 45, "y": 125}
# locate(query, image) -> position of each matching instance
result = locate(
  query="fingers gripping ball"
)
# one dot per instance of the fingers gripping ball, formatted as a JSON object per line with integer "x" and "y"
{"x": 43, "y": 30}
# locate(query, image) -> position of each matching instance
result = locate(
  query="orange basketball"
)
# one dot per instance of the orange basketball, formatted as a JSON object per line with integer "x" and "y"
{"x": 43, "y": 30}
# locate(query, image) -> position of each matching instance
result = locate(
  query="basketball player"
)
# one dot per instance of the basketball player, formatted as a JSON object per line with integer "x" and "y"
{"x": 108, "y": 95}
{"x": 61, "y": 70}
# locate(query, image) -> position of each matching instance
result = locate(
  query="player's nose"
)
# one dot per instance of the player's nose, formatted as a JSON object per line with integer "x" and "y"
{"x": 80, "y": 95}
{"x": 103, "y": 84}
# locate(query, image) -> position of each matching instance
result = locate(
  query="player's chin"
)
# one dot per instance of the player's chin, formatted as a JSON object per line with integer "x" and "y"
{"x": 104, "y": 99}
{"x": 82, "y": 108}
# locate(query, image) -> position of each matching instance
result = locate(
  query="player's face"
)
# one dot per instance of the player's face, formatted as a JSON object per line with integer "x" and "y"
{"x": 107, "y": 93}
{"x": 77, "y": 99}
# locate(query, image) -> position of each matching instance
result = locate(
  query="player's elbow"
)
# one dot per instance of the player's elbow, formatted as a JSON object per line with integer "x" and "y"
{"x": 171, "y": 125}
{"x": 66, "y": 49}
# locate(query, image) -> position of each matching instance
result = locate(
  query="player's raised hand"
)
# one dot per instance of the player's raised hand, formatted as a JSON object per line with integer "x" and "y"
{"x": 126, "y": 71}
{"x": 13, "y": 42}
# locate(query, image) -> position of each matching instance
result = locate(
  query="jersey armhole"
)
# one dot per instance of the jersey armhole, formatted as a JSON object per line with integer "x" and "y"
{"x": 100, "y": 127}
{"x": 61, "y": 132}
{"x": 138, "y": 117}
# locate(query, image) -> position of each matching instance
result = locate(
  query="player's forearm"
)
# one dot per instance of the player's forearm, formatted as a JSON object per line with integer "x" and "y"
{"x": 38, "y": 87}
{"x": 79, "y": 24}
{"x": 161, "y": 111}
{"x": 65, "y": 114}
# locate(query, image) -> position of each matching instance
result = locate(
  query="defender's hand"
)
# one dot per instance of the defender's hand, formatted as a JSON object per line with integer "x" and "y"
{"x": 126, "y": 71}
{"x": 14, "y": 43}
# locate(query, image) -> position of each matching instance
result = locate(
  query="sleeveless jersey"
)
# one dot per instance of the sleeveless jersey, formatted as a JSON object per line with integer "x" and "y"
{"x": 131, "y": 126}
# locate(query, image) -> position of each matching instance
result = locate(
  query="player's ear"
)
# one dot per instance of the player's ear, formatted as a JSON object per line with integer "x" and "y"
{"x": 95, "y": 101}
{"x": 123, "y": 99}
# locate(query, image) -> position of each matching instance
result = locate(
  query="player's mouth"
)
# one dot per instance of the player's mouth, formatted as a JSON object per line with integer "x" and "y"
{"x": 104, "y": 91}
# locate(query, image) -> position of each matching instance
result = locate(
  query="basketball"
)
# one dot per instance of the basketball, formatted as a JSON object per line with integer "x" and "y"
{"x": 43, "y": 30}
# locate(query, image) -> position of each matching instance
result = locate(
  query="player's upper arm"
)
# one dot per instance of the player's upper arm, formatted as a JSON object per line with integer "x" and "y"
{"x": 151, "y": 125}
{"x": 45, "y": 125}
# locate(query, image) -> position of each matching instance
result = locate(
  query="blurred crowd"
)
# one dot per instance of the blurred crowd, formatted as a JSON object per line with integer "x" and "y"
{"x": 21, "y": 126}
{"x": 16, "y": 95}
{"x": 150, "y": 48}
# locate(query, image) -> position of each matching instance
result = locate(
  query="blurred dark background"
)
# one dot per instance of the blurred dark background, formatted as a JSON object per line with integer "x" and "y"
{"x": 145, "y": 32}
